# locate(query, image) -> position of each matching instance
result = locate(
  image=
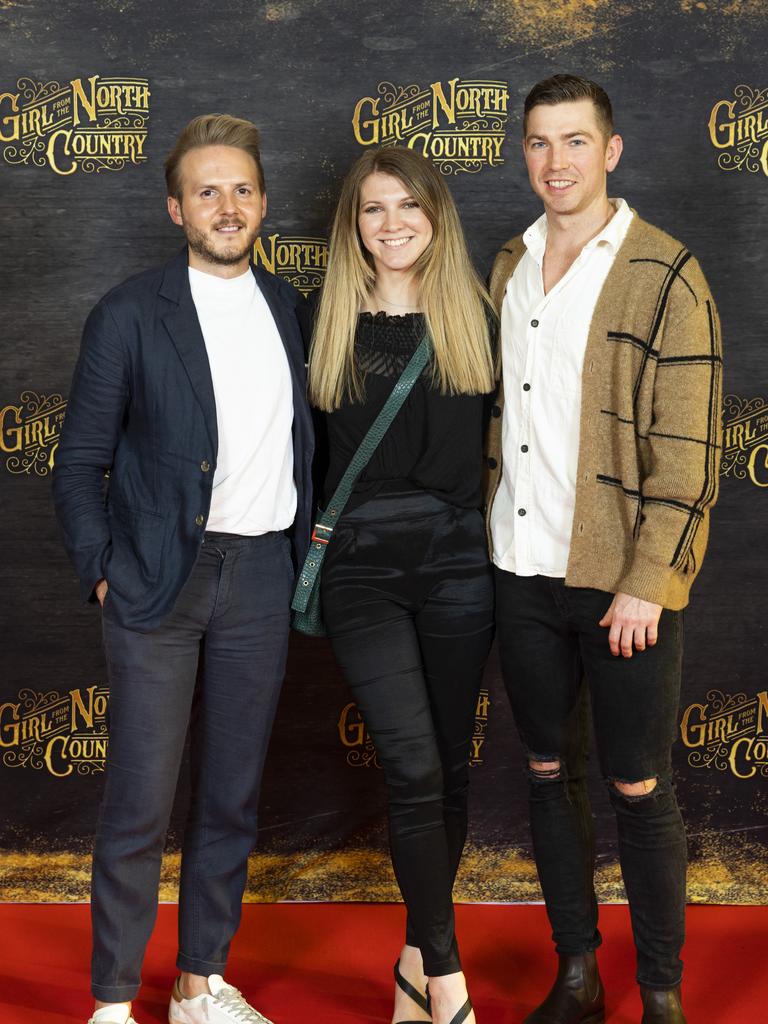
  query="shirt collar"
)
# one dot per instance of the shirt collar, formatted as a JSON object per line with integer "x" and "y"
{"x": 612, "y": 235}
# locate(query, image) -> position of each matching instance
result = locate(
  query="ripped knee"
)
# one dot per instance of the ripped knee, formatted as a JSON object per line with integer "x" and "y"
{"x": 635, "y": 790}
{"x": 545, "y": 769}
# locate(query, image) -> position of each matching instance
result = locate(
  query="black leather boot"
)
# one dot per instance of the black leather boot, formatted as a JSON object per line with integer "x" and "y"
{"x": 577, "y": 996}
{"x": 662, "y": 1007}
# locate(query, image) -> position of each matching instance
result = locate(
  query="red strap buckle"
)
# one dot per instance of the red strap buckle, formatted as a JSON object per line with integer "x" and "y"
{"x": 326, "y": 529}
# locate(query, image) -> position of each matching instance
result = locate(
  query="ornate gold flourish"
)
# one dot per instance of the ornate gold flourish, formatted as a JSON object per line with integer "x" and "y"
{"x": 365, "y": 758}
{"x": 716, "y": 757}
{"x": 91, "y": 165}
{"x": 32, "y": 90}
{"x": 734, "y": 459}
{"x": 25, "y": 757}
{"x": 734, "y": 406}
{"x": 31, "y": 701}
{"x": 305, "y": 282}
{"x": 745, "y": 157}
{"x": 720, "y": 702}
{"x": 750, "y": 98}
{"x": 482, "y": 124}
{"x": 35, "y": 460}
{"x": 40, "y": 404}
{"x": 33, "y": 152}
{"x": 450, "y": 166}
{"x": 734, "y": 463}
{"x": 393, "y": 94}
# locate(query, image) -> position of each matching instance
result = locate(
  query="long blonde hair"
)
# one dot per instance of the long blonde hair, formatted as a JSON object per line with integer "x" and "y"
{"x": 455, "y": 303}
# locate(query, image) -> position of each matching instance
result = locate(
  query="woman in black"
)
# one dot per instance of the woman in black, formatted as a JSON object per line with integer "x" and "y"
{"x": 407, "y": 587}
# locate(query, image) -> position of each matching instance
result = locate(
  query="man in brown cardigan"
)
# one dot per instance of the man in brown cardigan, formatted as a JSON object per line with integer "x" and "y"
{"x": 602, "y": 468}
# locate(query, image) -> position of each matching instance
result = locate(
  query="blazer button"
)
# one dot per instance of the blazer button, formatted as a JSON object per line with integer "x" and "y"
{"x": 492, "y": 463}
{"x": 199, "y": 519}
{"x": 205, "y": 465}
{"x": 496, "y": 410}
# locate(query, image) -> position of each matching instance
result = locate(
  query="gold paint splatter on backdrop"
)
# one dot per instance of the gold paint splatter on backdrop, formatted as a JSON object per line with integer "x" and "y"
{"x": 756, "y": 7}
{"x": 285, "y": 10}
{"x": 729, "y": 8}
{"x": 730, "y": 870}
{"x": 546, "y": 23}
{"x": 552, "y": 27}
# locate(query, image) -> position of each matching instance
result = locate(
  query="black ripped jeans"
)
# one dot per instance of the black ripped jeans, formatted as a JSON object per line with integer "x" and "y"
{"x": 408, "y": 603}
{"x": 549, "y": 639}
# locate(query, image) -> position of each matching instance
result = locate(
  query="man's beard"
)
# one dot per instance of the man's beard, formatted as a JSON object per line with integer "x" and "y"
{"x": 226, "y": 257}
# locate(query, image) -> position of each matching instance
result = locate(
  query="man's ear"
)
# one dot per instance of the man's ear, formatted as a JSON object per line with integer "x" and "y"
{"x": 174, "y": 210}
{"x": 613, "y": 152}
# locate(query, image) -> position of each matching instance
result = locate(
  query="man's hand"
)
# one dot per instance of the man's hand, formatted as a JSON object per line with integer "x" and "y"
{"x": 100, "y": 590}
{"x": 631, "y": 619}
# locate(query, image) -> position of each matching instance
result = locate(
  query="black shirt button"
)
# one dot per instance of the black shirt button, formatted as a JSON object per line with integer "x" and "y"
{"x": 521, "y": 511}
{"x": 496, "y": 410}
{"x": 526, "y": 387}
{"x": 492, "y": 463}
{"x": 523, "y": 447}
{"x": 534, "y": 323}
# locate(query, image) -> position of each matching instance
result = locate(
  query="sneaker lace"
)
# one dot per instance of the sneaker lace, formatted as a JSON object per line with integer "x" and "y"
{"x": 231, "y": 1000}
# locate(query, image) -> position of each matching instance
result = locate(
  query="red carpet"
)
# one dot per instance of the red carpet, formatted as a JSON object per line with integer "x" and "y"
{"x": 331, "y": 964}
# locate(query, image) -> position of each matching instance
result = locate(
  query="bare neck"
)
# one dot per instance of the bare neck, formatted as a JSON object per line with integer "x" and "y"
{"x": 395, "y": 292}
{"x": 569, "y": 232}
{"x": 567, "y": 236}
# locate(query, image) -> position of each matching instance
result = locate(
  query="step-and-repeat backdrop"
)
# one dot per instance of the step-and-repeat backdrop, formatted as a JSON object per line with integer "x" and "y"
{"x": 91, "y": 98}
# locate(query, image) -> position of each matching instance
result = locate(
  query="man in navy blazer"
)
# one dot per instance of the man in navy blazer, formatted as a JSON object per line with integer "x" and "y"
{"x": 189, "y": 392}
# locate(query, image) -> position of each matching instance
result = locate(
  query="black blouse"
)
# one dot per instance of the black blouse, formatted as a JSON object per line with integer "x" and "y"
{"x": 435, "y": 441}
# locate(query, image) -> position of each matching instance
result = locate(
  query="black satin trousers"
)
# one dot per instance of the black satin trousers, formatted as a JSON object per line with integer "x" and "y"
{"x": 408, "y": 603}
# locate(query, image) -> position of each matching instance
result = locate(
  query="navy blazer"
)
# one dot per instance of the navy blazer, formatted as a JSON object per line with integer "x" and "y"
{"x": 142, "y": 407}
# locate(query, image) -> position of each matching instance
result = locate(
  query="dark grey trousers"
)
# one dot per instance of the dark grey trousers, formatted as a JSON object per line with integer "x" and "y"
{"x": 233, "y": 614}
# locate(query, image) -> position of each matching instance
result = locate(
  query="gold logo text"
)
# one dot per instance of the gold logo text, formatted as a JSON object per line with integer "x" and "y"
{"x": 460, "y": 125}
{"x": 30, "y": 432}
{"x": 94, "y": 124}
{"x": 738, "y": 128}
{"x": 61, "y": 733}
{"x": 300, "y": 260}
{"x": 745, "y": 439}
{"x": 728, "y": 732}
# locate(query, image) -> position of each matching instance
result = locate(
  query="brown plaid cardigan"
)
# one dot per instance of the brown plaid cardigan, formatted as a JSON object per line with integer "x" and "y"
{"x": 650, "y": 429}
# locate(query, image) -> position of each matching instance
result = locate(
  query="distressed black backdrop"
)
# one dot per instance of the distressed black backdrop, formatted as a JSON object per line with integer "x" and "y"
{"x": 298, "y": 68}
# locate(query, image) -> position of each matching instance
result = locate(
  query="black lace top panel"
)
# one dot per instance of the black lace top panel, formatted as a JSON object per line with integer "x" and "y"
{"x": 434, "y": 443}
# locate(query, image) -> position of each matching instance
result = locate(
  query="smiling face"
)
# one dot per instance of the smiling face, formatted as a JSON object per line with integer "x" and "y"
{"x": 221, "y": 208}
{"x": 393, "y": 227}
{"x": 568, "y": 156}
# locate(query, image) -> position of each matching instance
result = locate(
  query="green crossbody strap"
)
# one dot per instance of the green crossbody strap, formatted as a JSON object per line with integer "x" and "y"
{"x": 328, "y": 519}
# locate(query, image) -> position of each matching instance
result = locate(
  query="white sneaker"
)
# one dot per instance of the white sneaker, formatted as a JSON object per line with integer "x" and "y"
{"x": 224, "y": 1005}
{"x": 119, "y": 1013}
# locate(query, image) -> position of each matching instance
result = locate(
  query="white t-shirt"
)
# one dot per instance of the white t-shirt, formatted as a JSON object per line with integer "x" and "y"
{"x": 543, "y": 341}
{"x": 253, "y": 487}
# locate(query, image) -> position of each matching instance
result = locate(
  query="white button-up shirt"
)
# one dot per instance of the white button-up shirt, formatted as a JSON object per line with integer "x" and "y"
{"x": 543, "y": 341}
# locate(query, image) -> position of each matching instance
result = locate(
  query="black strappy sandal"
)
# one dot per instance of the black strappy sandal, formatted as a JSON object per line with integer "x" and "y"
{"x": 412, "y": 993}
{"x": 462, "y": 1014}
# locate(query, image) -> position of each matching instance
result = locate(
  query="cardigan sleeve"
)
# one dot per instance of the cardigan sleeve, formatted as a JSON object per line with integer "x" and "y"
{"x": 681, "y": 453}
